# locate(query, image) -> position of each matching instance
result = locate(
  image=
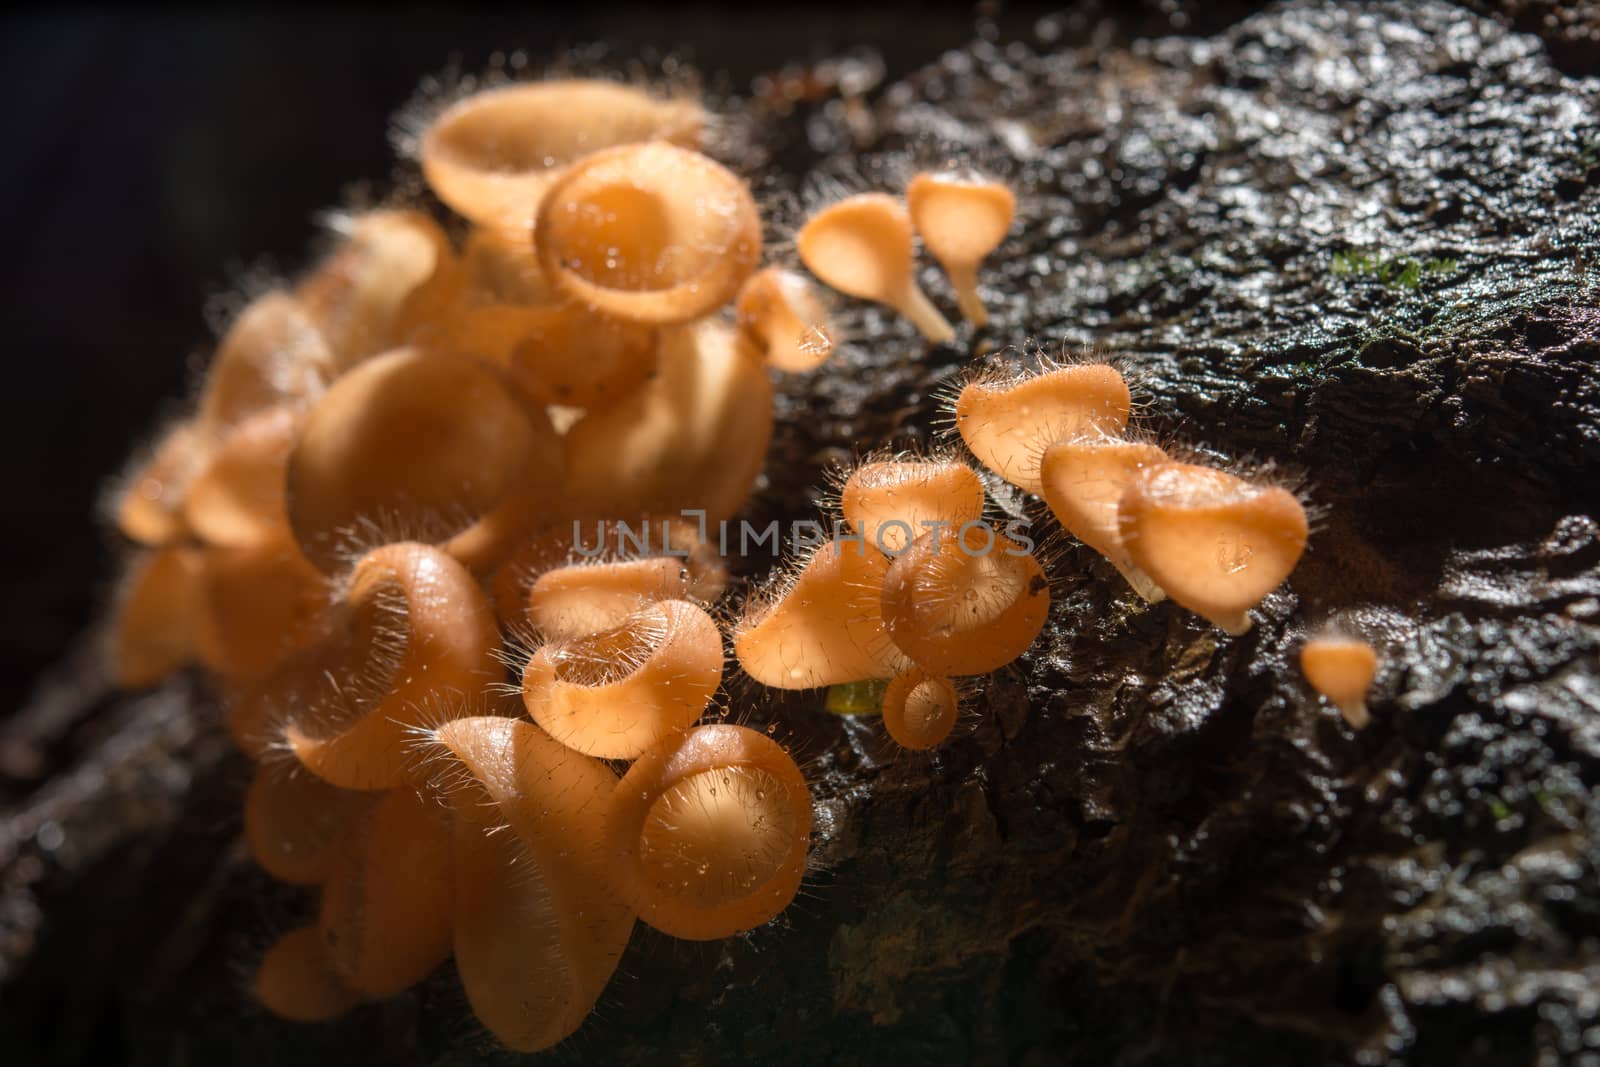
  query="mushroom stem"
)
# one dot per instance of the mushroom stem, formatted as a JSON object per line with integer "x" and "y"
{"x": 964, "y": 280}
{"x": 914, "y": 304}
{"x": 1235, "y": 625}
{"x": 1146, "y": 586}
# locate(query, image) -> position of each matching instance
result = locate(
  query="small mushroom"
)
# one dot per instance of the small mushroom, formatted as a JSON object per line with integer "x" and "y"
{"x": 1342, "y": 669}
{"x": 961, "y": 221}
{"x": 920, "y": 710}
{"x": 1082, "y": 480}
{"x": 783, "y": 317}
{"x": 1008, "y": 422}
{"x": 893, "y": 502}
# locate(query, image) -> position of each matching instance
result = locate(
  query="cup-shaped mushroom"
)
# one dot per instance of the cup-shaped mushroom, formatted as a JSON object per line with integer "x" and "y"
{"x": 492, "y": 155}
{"x": 418, "y": 444}
{"x": 296, "y": 980}
{"x": 618, "y": 692}
{"x": 650, "y": 233}
{"x": 149, "y": 507}
{"x": 1342, "y": 669}
{"x": 1082, "y": 479}
{"x": 292, "y": 819}
{"x": 893, "y": 502}
{"x": 387, "y": 903}
{"x": 862, "y": 246}
{"x": 822, "y": 628}
{"x": 254, "y": 606}
{"x": 272, "y": 355}
{"x": 589, "y": 598}
{"x": 961, "y": 220}
{"x": 920, "y": 710}
{"x": 695, "y": 437}
{"x": 236, "y": 499}
{"x": 391, "y": 281}
{"x": 154, "y": 630}
{"x": 412, "y": 636}
{"x": 965, "y": 602}
{"x": 538, "y": 928}
{"x": 1216, "y": 543}
{"x": 1008, "y": 423}
{"x": 708, "y": 832}
{"x": 784, "y": 318}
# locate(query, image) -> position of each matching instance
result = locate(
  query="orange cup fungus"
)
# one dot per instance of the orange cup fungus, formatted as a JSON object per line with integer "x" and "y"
{"x": 708, "y": 832}
{"x": 863, "y": 247}
{"x": 1009, "y": 422}
{"x": 784, "y": 318}
{"x": 961, "y": 221}
{"x": 893, "y": 502}
{"x": 920, "y": 710}
{"x": 296, "y": 980}
{"x": 1341, "y": 669}
{"x": 492, "y": 155}
{"x": 1216, "y": 543}
{"x": 1082, "y": 479}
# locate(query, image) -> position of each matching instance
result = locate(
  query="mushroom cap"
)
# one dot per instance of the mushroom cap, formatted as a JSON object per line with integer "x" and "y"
{"x": 492, "y": 155}
{"x": 149, "y": 508}
{"x": 649, "y": 233}
{"x": 1082, "y": 479}
{"x": 708, "y": 832}
{"x": 296, "y": 980}
{"x": 388, "y": 900}
{"x": 1341, "y": 669}
{"x": 616, "y": 693}
{"x": 428, "y": 442}
{"x": 583, "y": 599}
{"x": 826, "y": 628}
{"x": 695, "y": 437}
{"x": 1216, "y": 543}
{"x": 960, "y": 220}
{"x": 254, "y": 606}
{"x": 1009, "y": 424}
{"x": 237, "y": 497}
{"x": 889, "y": 501}
{"x": 154, "y": 630}
{"x": 920, "y": 710}
{"x": 962, "y": 604}
{"x": 272, "y": 355}
{"x": 781, "y": 314}
{"x": 861, "y": 246}
{"x": 292, "y": 820}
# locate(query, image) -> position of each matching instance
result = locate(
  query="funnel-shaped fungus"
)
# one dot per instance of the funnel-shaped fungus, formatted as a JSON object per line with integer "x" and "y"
{"x": 964, "y": 602}
{"x": 893, "y": 502}
{"x": 785, "y": 320}
{"x": 154, "y": 631}
{"x": 387, "y": 902}
{"x": 292, "y": 819}
{"x": 649, "y": 233}
{"x": 254, "y": 606}
{"x": 589, "y": 598}
{"x": 492, "y": 155}
{"x": 296, "y": 980}
{"x": 413, "y": 627}
{"x": 961, "y": 221}
{"x": 920, "y": 710}
{"x": 272, "y": 355}
{"x": 538, "y": 929}
{"x": 1216, "y": 543}
{"x": 708, "y": 832}
{"x": 388, "y": 283}
{"x": 1342, "y": 669}
{"x": 862, "y": 246}
{"x": 149, "y": 509}
{"x": 825, "y": 627}
{"x": 1008, "y": 423}
{"x": 694, "y": 437}
{"x": 1082, "y": 479}
{"x": 620, "y": 691}
{"x": 236, "y": 498}
{"x": 427, "y": 442}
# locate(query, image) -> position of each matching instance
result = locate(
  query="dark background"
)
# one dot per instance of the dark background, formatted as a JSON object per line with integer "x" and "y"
{"x": 151, "y": 158}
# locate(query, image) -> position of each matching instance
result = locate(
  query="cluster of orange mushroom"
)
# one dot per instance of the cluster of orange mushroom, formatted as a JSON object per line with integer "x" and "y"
{"x": 370, "y": 506}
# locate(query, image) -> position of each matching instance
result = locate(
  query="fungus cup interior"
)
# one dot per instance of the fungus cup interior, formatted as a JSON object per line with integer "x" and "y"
{"x": 1082, "y": 479}
{"x": 920, "y": 710}
{"x": 964, "y": 603}
{"x": 709, "y": 832}
{"x": 1008, "y": 424}
{"x": 492, "y": 155}
{"x": 862, "y": 246}
{"x": 961, "y": 221}
{"x": 825, "y": 628}
{"x": 1216, "y": 543}
{"x": 649, "y": 233}
{"x": 619, "y": 692}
